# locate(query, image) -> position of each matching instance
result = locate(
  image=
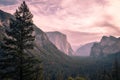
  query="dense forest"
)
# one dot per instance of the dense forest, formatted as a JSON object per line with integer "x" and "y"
{"x": 19, "y": 62}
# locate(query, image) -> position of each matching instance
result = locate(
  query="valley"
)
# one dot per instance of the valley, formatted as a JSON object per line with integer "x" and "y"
{"x": 97, "y": 60}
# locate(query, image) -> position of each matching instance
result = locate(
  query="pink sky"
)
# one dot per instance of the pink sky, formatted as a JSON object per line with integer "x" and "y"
{"x": 83, "y": 21}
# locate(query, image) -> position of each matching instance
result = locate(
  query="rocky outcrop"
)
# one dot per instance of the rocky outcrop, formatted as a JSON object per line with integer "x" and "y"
{"x": 84, "y": 50}
{"x": 107, "y": 45}
{"x": 4, "y": 21}
{"x": 60, "y": 41}
{"x": 43, "y": 47}
{"x": 4, "y": 18}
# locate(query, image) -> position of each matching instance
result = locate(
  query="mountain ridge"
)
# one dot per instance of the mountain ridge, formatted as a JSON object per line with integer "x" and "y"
{"x": 43, "y": 49}
{"x": 107, "y": 45}
{"x": 60, "y": 40}
{"x": 84, "y": 50}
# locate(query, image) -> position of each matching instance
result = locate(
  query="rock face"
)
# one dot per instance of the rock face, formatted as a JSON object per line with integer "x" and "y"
{"x": 4, "y": 17}
{"x": 84, "y": 50}
{"x": 60, "y": 41}
{"x": 4, "y": 20}
{"x": 43, "y": 48}
{"x": 107, "y": 45}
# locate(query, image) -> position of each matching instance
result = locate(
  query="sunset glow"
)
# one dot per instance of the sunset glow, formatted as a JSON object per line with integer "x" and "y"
{"x": 83, "y": 21}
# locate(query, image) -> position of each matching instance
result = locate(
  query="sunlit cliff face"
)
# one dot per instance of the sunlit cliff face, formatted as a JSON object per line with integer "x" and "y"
{"x": 82, "y": 21}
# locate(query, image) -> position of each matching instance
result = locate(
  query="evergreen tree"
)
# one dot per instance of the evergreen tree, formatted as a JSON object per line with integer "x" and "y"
{"x": 39, "y": 73}
{"x": 105, "y": 76}
{"x": 16, "y": 63}
{"x": 70, "y": 78}
{"x": 115, "y": 69}
{"x": 47, "y": 76}
{"x": 59, "y": 75}
{"x": 80, "y": 78}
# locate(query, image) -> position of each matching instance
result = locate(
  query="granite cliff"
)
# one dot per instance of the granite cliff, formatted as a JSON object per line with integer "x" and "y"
{"x": 60, "y": 41}
{"x": 107, "y": 45}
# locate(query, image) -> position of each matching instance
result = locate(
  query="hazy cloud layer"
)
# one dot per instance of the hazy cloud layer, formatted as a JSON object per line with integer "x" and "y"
{"x": 8, "y": 2}
{"x": 82, "y": 20}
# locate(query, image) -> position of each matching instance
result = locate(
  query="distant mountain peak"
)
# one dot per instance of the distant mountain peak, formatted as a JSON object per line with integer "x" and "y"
{"x": 108, "y": 37}
{"x": 1, "y": 11}
{"x": 60, "y": 40}
{"x": 56, "y": 33}
{"x": 107, "y": 45}
{"x": 4, "y": 18}
{"x": 43, "y": 47}
{"x": 84, "y": 50}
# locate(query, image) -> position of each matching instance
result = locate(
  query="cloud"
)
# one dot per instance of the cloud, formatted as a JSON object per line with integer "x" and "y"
{"x": 107, "y": 23}
{"x": 8, "y": 2}
{"x": 46, "y": 7}
{"x": 102, "y": 2}
{"x": 81, "y": 20}
{"x": 80, "y": 38}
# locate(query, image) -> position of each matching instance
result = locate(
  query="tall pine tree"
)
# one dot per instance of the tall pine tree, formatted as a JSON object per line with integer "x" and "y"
{"x": 16, "y": 63}
{"x": 115, "y": 69}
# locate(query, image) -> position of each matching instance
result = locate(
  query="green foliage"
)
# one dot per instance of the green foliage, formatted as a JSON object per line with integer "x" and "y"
{"x": 70, "y": 78}
{"x": 16, "y": 63}
{"x": 77, "y": 78}
{"x": 39, "y": 73}
{"x": 115, "y": 69}
{"x": 60, "y": 76}
{"x": 54, "y": 61}
{"x": 80, "y": 78}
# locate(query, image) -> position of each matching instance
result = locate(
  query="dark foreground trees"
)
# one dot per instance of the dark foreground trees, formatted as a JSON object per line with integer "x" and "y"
{"x": 116, "y": 68}
{"x": 77, "y": 78}
{"x": 15, "y": 62}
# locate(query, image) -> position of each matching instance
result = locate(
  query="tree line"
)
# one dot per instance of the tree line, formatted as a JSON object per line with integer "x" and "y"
{"x": 15, "y": 62}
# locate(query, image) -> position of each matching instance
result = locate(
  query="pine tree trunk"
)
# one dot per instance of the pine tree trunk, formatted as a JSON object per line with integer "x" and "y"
{"x": 20, "y": 63}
